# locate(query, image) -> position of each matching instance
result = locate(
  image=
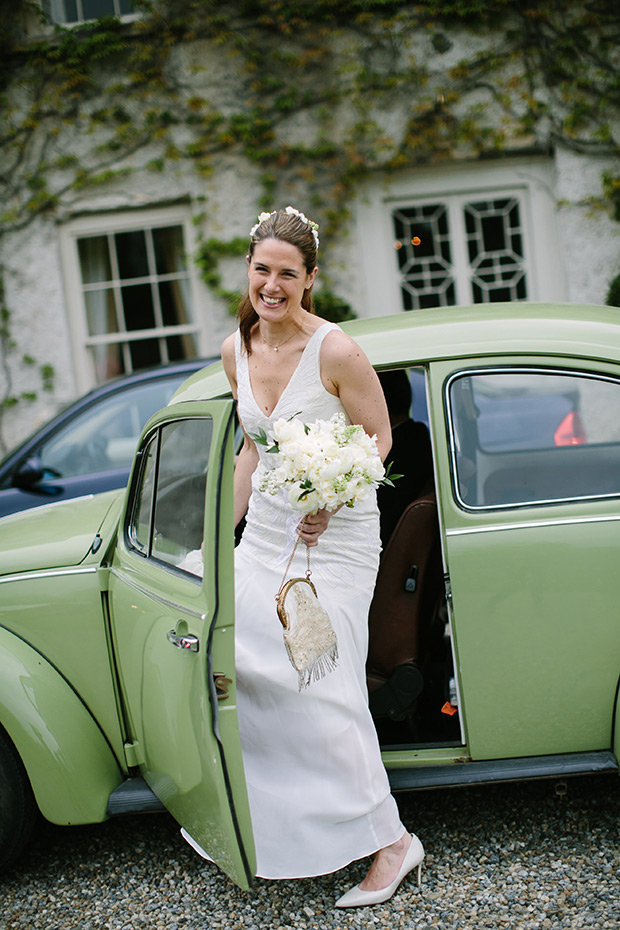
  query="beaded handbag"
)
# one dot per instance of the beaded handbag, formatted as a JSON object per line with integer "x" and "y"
{"x": 309, "y": 637}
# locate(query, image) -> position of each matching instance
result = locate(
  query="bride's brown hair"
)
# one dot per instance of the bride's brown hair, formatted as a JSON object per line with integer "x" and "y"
{"x": 287, "y": 227}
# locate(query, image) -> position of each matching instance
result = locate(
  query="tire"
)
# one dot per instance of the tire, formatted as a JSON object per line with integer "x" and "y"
{"x": 18, "y": 809}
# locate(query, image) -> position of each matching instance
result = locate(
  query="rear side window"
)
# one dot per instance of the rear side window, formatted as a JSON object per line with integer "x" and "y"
{"x": 522, "y": 437}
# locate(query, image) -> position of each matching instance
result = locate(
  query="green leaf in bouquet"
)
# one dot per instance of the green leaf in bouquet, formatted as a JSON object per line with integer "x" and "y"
{"x": 389, "y": 478}
{"x": 261, "y": 439}
{"x": 306, "y": 489}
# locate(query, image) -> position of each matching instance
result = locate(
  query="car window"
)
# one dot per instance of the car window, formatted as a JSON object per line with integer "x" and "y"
{"x": 103, "y": 437}
{"x": 521, "y": 437}
{"x": 168, "y": 511}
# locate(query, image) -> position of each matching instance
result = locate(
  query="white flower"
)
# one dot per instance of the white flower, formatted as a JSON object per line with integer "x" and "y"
{"x": 284, "y": 430}
{"x": 302, "y": 216}
{"x": 261, "y": 219}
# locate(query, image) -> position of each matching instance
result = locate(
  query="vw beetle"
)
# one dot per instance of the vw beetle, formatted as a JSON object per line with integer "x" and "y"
{"x": 494, "y": 630}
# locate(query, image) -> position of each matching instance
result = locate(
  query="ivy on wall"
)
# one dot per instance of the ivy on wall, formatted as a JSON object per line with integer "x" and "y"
{"x": 537, "y": 73}
{"x": 313, "y": 95}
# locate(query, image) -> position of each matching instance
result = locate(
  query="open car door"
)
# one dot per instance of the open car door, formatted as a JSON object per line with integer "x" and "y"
{"x": 171, "y": 598}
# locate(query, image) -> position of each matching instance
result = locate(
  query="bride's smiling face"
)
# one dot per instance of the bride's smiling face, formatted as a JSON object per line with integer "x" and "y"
{"x": 277, "y": 280}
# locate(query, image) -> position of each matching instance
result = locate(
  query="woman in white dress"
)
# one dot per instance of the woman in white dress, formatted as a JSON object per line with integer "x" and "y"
{"x": 319, "y": 794}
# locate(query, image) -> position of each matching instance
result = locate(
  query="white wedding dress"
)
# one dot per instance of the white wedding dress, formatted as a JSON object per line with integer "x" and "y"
{"x": 319, "y": 794}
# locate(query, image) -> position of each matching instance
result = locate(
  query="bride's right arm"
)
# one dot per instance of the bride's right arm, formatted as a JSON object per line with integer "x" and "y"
{"x": 247, "y": 460}
{"x": 246, "y": 463}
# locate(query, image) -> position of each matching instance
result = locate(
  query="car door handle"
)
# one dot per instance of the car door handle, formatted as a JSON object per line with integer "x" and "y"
{"x": 184, "y": 640}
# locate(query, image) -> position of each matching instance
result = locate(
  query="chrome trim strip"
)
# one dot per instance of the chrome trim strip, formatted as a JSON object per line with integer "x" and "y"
{"x": 561, "y": 521}
{"x": 156, "y": 597}
{"x": 48, "y": 573}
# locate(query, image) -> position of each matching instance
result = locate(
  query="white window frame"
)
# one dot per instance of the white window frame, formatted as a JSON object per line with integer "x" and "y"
{"x": 530, "y": 180}
{"x": 102, "y": 224}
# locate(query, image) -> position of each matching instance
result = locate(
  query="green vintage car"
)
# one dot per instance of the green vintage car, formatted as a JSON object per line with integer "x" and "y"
{"x": 494, "y": 631}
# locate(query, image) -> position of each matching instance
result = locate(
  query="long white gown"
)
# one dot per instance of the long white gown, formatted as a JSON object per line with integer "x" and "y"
{"x": 319, "y": 794}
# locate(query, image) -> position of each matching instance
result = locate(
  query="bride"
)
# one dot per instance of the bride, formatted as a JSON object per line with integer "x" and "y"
{"x": 319, "y": 794}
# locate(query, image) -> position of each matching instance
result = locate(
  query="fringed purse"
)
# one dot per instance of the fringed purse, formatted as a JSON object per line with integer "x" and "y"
{"x": 309, "y": 637}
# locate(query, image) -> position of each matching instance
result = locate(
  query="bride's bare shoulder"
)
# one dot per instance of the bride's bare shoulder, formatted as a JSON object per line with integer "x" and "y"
{"x": 338, "y": 343}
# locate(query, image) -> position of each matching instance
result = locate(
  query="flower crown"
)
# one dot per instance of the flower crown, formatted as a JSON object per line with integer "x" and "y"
{"x": 291, "y": 212}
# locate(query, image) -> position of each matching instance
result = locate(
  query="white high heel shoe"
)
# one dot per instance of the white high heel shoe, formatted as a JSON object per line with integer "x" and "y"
{"x": 355, "y": 897}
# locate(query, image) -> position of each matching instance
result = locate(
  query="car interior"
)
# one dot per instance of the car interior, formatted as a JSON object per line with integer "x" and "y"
{"x": 409, "y": 672}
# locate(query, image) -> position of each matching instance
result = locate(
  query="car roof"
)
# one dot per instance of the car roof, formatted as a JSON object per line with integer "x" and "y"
{"x": 578, "y": 330}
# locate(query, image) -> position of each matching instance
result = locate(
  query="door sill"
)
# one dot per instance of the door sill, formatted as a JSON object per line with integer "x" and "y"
{"x": 502, "y": 770}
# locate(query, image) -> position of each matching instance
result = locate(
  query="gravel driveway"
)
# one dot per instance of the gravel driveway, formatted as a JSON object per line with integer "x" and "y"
{"x": 502, "y": 856}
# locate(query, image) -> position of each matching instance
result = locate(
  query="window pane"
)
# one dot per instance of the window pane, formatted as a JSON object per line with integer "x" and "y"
{"x": 425, "y": 268}
{"x": 100, "y": 312}
{"x": 108, "y": 361}
{"x": 95, "y": 9}
{"x": 140, "y": 529}
{"x": 169, "y": 249}
{"x": 528, "y": 437}
{"x": 125, "y": 7}
{"x": 94, "y": 259}
{"x": 138, "y": 307}
{"x": 131, "y": 254}
{"x": 172, "y": 296}
{"x": 145, "y": 353}
{"x": 180, "y": 498}
{"x": 181, "y": 347}
{"x": 64, "y": 11}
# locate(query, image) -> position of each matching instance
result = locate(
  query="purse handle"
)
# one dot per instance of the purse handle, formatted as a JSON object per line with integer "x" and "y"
{"x": 290, "y": 561}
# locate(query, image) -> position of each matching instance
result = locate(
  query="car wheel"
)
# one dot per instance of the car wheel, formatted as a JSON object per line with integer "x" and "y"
{"x": 18, "y": 810}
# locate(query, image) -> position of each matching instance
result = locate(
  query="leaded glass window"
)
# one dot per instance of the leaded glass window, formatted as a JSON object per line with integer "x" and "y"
{"x": 495, "y": 249}
{"x": 426, "y": 269}
{"x": 460, "y": 250}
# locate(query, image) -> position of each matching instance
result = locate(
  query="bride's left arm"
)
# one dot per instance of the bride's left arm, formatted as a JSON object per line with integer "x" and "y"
{"x": 346, "y": 371}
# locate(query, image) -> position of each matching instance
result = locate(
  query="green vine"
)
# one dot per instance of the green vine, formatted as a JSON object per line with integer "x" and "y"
{"x": 207, "y": 258}
{"x": 45, "y": 372}
{"x": 86, "y": 107}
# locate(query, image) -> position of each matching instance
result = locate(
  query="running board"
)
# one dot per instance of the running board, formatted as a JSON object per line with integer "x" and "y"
{"x": 133, "y": 797}
{"x": 496, "y": 770}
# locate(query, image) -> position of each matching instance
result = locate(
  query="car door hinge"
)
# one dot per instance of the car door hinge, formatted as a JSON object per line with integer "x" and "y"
{"x": 447, "y": 588}
{"x": 133, "y": 754}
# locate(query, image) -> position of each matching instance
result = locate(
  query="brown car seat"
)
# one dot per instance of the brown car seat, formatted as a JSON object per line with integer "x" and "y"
{"x": 408, "y": 591}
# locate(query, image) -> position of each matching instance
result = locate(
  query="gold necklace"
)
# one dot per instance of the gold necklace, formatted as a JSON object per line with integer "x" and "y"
{"x": 271, "y": 345}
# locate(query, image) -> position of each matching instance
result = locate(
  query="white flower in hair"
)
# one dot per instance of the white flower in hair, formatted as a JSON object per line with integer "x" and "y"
{"x": 302, "y": 216}
{"x": 261, "y": 219}
{"x": 291, "y": 212}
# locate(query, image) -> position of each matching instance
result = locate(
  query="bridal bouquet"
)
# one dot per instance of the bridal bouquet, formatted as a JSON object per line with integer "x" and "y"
{"x": 324, "y": 464}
